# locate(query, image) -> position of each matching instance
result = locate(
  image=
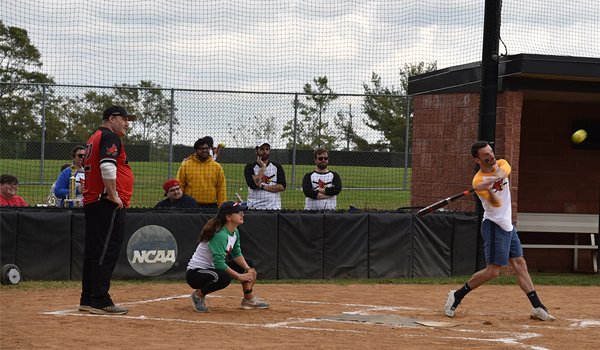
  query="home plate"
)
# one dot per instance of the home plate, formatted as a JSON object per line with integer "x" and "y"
{"x": 391, "y": 320}
{"x": 436, "y": 324}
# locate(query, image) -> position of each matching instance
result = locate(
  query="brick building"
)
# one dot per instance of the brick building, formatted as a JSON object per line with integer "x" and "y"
{"x": 541, "y": 101}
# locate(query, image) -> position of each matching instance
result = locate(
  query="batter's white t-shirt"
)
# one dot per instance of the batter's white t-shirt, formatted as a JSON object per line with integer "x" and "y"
{"x": 500, "y": 213}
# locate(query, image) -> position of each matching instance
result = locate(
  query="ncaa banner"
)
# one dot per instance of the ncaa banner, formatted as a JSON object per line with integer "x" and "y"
{"x": 152, "y": 250}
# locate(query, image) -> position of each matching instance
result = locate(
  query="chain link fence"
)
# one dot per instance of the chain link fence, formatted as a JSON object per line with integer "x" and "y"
{"x": 367, "y": 138}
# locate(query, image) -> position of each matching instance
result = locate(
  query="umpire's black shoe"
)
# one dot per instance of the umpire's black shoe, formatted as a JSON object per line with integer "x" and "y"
{"x": 109, "y": 310}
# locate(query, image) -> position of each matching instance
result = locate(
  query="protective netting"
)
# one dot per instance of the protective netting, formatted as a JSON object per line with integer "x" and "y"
{"x": 256, "y": 45}
{"x": 234, "y": 69}
{"x": 562, "y": 28}
{"x": 268, "y": 45}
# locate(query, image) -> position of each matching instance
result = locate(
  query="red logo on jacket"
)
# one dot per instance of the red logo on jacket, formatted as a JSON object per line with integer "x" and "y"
{"x": 499, "y": 185}
{"x": 112, "y": 151}
{"x": 267, "y": 179}
{"x": 323, "y": 184}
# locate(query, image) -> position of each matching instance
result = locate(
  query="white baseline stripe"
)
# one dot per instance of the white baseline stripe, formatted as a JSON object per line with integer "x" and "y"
{"x": 267, "y": 325}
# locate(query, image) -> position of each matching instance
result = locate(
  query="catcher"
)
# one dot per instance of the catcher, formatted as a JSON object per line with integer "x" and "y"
{"x": 208, "y": 271}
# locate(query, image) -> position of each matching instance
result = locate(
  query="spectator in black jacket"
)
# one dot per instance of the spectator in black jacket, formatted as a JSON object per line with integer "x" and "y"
{"x": 176, "y": 198}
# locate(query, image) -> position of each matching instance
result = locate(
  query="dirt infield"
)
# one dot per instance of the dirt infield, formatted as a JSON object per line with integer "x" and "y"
{"x": 161, "y": 317}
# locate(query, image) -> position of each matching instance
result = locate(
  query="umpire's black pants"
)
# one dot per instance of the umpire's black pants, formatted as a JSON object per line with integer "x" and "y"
{"x": 104, "y": 229}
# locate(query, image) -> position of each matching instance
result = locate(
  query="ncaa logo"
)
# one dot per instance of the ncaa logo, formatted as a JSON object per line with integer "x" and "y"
{"x": 152, "y": 250}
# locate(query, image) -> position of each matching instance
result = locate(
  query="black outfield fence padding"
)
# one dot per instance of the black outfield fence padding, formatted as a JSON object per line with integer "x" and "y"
{"x": 47, "y": 244}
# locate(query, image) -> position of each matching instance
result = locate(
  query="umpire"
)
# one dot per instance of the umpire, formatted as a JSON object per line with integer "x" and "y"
{"x": 109, "y": 184}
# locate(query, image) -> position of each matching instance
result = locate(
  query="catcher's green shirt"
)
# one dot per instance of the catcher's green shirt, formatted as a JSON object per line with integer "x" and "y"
{"x": 212, "y": 255}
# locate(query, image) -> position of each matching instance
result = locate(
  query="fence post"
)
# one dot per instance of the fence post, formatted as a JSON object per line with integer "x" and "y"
{"x": 171, "y": 134}
{"x": 406, "y": 141}
{"x": 42, "y": 145}
{"x": 349, "y": 127}
{"x": 294, "y": 141}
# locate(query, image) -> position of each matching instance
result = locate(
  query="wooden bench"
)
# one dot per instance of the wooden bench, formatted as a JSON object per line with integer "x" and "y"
{"x": 562, "y": 223}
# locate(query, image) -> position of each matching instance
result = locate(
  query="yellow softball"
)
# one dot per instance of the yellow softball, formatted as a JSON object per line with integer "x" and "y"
{"x": 578, "y": 136}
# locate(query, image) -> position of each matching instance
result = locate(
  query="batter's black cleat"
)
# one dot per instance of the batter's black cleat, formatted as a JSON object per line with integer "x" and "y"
{"x": 109, "y": 310}
{"x": 84, "y": 308}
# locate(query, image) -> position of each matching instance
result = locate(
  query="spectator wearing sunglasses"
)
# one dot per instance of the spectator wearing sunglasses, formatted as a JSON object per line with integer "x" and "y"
{"x": 52, "y": 200}
{"x": 321, "y": 186}
{"x": 176, "y": 198}
{"x": 61, "y": 188}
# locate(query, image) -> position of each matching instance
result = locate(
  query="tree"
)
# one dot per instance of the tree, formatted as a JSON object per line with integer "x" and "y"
{"x": 344, "y": 123}
{"x": 20, "y": 101}
{"x": 245, "y": 132}
{"x": 24, "y": 99}
{"x": 152, "y": 110}
{"x": 388, "y": 114}
{"x": 83, "y": 115}
{"x": 312, "y": 129}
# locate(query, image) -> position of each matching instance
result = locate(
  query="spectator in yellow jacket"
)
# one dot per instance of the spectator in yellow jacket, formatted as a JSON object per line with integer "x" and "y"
{"x": 203, "y": 178}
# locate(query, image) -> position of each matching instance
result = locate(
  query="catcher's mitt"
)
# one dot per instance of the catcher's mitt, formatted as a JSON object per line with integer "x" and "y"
{"x": 247, "y": 286}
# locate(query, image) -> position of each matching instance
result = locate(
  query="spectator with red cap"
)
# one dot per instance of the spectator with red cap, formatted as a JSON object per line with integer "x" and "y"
{"x": 176, "y": 198}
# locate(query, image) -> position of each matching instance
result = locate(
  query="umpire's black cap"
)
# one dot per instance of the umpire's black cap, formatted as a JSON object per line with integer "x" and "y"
{"x": 116, "y": 111}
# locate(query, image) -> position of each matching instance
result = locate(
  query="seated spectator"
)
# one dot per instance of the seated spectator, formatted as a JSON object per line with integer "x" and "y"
{"x": 9, "y": 184}
{"x": 62, "y": 188}
{"x": 176, "y": 198}
{"x": 52, "y": 200}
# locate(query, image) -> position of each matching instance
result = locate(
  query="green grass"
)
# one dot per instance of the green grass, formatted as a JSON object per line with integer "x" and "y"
{"x": 539, "y": 279}
{"x": 150, "y": 176}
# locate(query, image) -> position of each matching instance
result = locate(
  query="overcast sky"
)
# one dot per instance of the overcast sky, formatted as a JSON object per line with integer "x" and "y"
{"x": 272, "y": 45}
{"x": 279, "y": 45}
